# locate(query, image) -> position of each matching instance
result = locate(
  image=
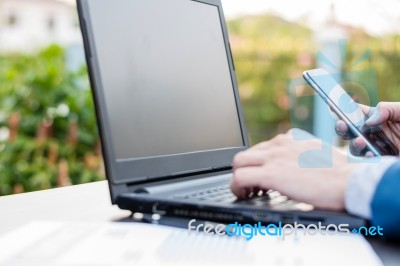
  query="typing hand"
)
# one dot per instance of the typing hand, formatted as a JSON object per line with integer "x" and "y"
{"x": 275, "y": 165}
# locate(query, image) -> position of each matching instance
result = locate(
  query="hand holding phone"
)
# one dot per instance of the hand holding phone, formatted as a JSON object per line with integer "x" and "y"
{"x": 386, "y": 115}
{"x": 350, "y": 112}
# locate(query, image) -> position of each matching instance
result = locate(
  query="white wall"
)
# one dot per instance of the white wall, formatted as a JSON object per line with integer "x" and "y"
{"x": 31, "y": 30}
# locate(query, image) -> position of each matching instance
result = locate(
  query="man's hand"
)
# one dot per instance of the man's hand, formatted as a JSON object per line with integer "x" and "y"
{"x": 275, "y": 165}
{"x": 385, "y": 114}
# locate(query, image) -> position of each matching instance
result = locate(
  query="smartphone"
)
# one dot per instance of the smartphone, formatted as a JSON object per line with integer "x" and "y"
{"x": 344, "y": 106}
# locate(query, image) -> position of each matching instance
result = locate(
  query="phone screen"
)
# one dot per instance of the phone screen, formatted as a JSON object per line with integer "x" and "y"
{"x": 347, "y": 109}
{"x": 339, "y": 97}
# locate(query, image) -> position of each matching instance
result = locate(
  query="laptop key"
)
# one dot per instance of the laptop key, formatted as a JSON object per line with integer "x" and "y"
{"x": 273, "y": 194}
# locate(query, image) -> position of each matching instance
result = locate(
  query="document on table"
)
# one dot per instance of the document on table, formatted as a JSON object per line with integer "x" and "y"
{"x": 84, "y": 244}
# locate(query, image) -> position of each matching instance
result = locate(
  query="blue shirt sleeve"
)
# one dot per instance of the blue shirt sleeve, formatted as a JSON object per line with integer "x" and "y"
{"x": 386, "y": 202}
{"x": 362, "y": 185}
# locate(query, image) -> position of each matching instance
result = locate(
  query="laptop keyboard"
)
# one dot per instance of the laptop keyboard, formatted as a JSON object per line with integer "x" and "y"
{"x": 218, "y": 194}
{"x": 223, "y": 193}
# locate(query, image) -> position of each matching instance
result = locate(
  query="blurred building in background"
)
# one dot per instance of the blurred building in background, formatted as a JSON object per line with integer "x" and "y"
{"x": 29, "y": 25}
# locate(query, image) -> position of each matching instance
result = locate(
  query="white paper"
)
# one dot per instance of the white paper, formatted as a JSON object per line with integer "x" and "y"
{"x": 84, "y": 244}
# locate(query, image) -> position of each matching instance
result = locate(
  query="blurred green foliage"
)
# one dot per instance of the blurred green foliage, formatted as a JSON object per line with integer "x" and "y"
{"x": 268, "y": 51}
{"x": 384, "y": 59}
{"x": 51, "y": 106}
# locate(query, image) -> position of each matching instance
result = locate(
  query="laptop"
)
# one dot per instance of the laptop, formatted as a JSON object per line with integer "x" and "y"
{"x": 169, "y": 113}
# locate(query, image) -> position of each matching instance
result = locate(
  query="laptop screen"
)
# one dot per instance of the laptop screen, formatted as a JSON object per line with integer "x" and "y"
{"x": 166, "y": 77}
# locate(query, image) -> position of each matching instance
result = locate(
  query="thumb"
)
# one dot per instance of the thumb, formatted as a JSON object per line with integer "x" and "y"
{"x": 384, "y": 111}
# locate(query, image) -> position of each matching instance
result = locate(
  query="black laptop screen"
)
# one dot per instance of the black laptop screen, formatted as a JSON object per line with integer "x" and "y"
{"x": 166, "y": 77}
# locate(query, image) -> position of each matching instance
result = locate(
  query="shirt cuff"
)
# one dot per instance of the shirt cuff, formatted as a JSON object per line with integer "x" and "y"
{"x": 362, "y": 184}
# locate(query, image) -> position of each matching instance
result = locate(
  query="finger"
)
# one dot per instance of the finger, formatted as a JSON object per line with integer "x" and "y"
{"x": 366, "y": 109}
{"x": 249, "y": 158}
{"x": 253, "y": 192}
{"x": 369, "y": 154}
{"x": 248, "y": 178}
{"x": 357, "y": 146}
{"x": 247, "y": 192}
{"x": 384, "y": 111}
{"x": 341, "y": 128}
{"x": 343, "y": 131}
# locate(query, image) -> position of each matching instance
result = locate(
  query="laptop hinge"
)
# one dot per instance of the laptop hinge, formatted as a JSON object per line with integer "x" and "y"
{"x": 222, "y": 168}
{"x": 183, "y": 174}
{"x": 192, "y": 172}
